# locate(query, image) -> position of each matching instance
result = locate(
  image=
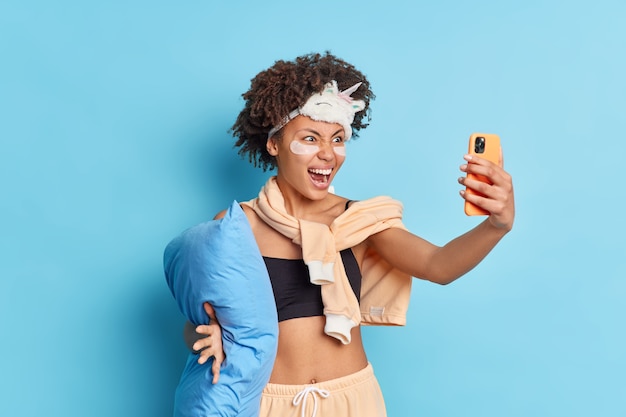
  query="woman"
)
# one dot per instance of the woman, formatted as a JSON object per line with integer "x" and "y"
{"x": 297, "y": 117}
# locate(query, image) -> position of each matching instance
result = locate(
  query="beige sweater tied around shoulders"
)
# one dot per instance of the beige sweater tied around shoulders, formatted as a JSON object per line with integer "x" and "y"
{"x": 385, "y": 291}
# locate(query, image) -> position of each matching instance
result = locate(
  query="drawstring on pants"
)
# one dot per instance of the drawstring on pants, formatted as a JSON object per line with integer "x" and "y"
{"x": 301, "y": 397}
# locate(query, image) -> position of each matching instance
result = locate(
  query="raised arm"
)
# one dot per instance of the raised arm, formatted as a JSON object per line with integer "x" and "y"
{"x": 445, "y": 264}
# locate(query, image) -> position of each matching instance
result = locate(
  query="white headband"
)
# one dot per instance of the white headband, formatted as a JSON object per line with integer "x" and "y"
{"x": 331, "y": 106}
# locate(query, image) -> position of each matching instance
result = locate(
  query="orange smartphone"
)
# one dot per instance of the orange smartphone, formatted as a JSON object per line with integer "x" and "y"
{"x": 487, "y": 146}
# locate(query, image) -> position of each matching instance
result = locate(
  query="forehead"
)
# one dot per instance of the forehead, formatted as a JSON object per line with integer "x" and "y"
{"x": 314, "y": 126}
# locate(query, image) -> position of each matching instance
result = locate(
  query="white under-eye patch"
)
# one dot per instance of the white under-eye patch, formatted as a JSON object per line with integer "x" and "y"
{"x": 299, "y": 148}
{"x": 302, "y": 149}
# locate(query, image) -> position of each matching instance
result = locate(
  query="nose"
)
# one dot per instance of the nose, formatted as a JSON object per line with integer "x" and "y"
{"x": 326, "y": 152}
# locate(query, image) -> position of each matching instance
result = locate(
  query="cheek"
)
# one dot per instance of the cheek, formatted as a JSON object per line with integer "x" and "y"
{"x": 300, "y": 149}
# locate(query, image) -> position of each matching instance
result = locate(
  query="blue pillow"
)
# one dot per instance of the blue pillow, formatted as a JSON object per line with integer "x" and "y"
{"x": 219, "y": 262}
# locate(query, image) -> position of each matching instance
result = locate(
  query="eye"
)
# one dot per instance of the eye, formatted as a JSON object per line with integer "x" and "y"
{"x": 338, "y": 139}
{"x": 309, "y": 139}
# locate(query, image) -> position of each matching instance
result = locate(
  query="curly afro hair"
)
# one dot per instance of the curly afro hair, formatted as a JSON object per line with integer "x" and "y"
{"x": 286, "y": 86}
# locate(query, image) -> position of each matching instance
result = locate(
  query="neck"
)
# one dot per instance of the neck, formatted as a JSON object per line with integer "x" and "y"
{"x": 302, "y": 207}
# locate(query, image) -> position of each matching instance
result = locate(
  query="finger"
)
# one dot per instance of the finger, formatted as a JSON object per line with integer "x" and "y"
{"x": 202, "y": 344}
{"x": 473, "y": 162}
{"x": 208, "y": 308}
{"x": 217, "y": 364}
{"x": 483, "y": 170}
{"x": 474, "y": 159}
{"x": 205, "y": 355}
{"x": 481, "y": 186}
{"x": 205, "y": 329}
{"x": 477, "y": 200}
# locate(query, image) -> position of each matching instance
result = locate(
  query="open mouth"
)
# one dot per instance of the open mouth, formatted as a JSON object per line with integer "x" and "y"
{"x": 320, "y": 176}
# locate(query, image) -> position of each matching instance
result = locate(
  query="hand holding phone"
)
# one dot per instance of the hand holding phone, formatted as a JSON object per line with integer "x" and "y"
{"x": 487, "y": 146}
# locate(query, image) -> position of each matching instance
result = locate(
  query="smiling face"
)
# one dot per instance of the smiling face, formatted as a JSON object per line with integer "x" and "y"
{"x": 308, "y": 156}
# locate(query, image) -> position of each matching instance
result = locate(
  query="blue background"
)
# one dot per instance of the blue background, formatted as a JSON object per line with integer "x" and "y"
{"x": 113, "y": 130}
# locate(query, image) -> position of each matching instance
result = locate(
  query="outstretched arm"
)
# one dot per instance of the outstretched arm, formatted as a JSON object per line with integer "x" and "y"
{"x": 445, "y": 264}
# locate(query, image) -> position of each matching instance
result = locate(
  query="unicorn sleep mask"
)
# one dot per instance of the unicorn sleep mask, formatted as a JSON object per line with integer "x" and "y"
{"x": 331, "y": 106}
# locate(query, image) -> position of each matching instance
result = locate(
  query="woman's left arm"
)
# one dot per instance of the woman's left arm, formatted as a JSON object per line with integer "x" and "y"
{"x": 445, "y": 264}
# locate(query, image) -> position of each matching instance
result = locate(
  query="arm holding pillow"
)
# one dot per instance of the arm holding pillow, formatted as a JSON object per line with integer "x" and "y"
{"x": 210, "y": 345}
{"x": 219, "y": 263}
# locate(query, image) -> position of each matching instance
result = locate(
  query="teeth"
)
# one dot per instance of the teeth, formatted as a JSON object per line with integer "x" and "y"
{"x": 321, "y": 171}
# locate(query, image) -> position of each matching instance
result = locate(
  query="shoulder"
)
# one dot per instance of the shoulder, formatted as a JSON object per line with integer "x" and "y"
{"x": 333, "y": 207}
{"x": 258, "y": 225}
{"x": 380, "y": 206}
{"x": 249, "y": 212}
{"x": 220, "y": 215}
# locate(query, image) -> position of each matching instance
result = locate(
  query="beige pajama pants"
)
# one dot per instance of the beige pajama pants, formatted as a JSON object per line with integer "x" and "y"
{"x": 356, "y": 395}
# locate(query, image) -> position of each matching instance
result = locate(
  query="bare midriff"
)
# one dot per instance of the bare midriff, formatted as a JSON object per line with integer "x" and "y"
{"x": 306, "y": 355}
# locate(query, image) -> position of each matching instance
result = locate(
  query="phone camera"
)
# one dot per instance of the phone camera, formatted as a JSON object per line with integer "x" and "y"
{"x": 479, "y": 145}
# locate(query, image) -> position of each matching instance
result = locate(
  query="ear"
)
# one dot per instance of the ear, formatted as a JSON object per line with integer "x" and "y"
{"x": 272, "y": 146}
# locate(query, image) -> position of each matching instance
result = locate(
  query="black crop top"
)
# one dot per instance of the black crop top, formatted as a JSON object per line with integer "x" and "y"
{"x": 295, "y": 295}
